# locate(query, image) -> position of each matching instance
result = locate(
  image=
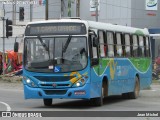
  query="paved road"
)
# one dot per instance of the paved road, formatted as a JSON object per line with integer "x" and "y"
{"x": 12, "y": 95}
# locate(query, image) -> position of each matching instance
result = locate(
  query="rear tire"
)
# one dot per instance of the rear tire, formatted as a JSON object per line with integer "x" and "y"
{"x": 125, "y": 95}
{"x": 47, "y": 102}
{"x": 135, "y": 93}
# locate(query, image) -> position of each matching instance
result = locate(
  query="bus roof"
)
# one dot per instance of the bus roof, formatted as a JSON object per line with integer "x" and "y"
{"x": 100, "y": 25}
{"x": 117, "y": 28}
{"x": 58, "y": 20}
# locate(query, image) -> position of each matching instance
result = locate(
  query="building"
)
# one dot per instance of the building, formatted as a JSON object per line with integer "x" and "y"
{"x": 124, "y": 12}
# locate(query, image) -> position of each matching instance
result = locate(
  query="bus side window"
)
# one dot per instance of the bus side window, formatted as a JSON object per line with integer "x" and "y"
{"x": 103, "y": 47}
{"x": 147, "y": 47}
{"x": 141, "y": 46}
{"x": 110, "y": 42}
{"x": 127, "y": 45}
{"x": 119, "y": 44}
{"x": 135, "y": 46}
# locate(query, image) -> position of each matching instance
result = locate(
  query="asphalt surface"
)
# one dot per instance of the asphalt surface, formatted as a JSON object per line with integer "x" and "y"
{"x": 12, "y": 99}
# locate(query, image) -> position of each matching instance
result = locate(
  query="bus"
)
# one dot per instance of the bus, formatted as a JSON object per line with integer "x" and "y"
{"x": 79, "y": 59}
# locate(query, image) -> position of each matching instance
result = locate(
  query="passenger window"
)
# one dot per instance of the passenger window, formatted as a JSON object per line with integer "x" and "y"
{"x": 147, "y": 47}
{"x": 119, "y": 44}
{"x": 103, "y": 48}
{"x": 110, "y": 42}
{"x": 141, "y": 46}
{"x": 135, "y": 46}
{"x": 127, "y": 45}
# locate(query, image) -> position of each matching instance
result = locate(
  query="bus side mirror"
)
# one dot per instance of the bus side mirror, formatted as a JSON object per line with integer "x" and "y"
{"x": 16, "y": 46}
{"x": 94, "y": 61}
{"x": 95, "y": 42}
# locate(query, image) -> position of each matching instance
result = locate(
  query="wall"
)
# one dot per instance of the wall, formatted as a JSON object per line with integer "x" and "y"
{"x": 111, "y": 11}
{"x": 54, "y": 8}
{"x": 140, "y": 17}
{"x": 123, "y": 12}
{"x": 19, "y": 26}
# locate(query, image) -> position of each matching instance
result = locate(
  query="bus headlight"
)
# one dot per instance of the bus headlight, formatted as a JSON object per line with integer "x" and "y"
{"x": 29, "y": 82}
{"x": 79, "y": 83}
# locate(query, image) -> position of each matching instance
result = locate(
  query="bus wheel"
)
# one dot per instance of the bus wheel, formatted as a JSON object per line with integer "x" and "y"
{"x": 99, "y": 101}
{"x": 135, "y": 93}
{"x": 125, "y": 95}
{"x": 47, "y": 102}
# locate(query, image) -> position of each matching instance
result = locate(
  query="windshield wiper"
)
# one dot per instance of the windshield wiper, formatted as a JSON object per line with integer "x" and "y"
{"x": 64, "y": 48}
{"x": 66, "y": 44}
{"x": 44, "y": 45}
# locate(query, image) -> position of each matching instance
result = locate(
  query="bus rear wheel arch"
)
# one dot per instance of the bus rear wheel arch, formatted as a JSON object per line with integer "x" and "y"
{"x": 135, "y": 93}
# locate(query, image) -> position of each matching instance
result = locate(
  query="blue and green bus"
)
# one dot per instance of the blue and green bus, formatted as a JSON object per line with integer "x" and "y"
{"x": 78, "y": 59}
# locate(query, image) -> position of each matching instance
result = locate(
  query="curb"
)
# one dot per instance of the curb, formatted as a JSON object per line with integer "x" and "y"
{"x": 10, "y": 79}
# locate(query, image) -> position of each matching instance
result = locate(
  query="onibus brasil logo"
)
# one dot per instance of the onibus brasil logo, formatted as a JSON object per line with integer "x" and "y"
{"x": 152, "y": 3}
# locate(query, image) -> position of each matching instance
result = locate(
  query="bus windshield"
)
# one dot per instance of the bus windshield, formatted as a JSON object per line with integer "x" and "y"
{"x": 66, "y": 54}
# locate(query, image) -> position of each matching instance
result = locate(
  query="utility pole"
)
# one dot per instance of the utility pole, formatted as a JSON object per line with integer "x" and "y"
{"x": 46, "y": 10}
{"x": 14, "y": 13}
{"x": 96, "y": 3}
{"x": 62, "y": 8}
{"x": 3, "y": 18}
{"x": 77, "y": 8}
{"x": 31, "y": 11}
{"x": 69, "y": 8}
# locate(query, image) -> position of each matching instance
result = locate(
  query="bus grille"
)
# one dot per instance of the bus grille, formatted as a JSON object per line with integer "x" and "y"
{"x": 53, "y": 78}
{"x": 58, "y": 85}
{"x": 55, "y": 92}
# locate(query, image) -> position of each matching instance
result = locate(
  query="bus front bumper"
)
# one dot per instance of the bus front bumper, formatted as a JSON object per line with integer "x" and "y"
{"x": 70, "y": 93}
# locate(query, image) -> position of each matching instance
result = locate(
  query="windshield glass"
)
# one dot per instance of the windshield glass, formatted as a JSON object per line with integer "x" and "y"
{"x": 55, "y": 54}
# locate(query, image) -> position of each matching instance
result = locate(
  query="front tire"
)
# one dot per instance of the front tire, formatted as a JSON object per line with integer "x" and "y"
{"x": 99, "y": 101}
{"x": 47, "y": 102}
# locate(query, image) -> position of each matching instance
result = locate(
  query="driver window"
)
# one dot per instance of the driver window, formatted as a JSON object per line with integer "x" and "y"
{"x": 94, "y": 49}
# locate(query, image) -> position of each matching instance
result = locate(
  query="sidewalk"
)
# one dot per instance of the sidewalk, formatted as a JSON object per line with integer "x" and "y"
{"x": 12, "y": 79}
{"x": 9, "y": 82}
{"x": 156, "y": 82}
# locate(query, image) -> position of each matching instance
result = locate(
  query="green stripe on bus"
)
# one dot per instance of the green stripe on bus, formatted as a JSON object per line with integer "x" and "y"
{"x": 139, "y": 32}
{"x": 141, "y": 64}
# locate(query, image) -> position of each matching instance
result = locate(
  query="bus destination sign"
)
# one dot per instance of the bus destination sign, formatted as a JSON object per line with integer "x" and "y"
{"x": 55, "y": 29}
